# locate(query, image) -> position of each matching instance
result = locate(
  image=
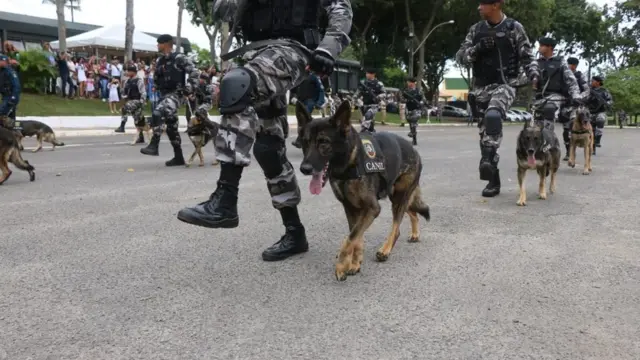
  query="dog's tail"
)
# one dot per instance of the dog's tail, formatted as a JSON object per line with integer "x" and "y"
{"x": 418, "y": 206}
{"x": 51, "y": 137}
{"x": 15, "y": 157}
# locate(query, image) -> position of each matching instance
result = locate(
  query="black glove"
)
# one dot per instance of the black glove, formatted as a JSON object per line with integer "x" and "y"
{"x": 577, "y": 102}
{"x": 321, "y": 62}
{"x": 486, "y": 43}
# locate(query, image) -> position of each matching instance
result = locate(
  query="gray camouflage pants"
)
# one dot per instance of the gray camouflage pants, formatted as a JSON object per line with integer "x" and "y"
{"x": 368, "y": 117}
{"x": 413, "y": 116}
{"x": 166, "y": 112}
{"x": 492, "y": 96}
{"x": 599, "y": 120}
{"x": 278, "y": 68}
{"x": 563, "y": 113}
{"x": 133, "y": 108}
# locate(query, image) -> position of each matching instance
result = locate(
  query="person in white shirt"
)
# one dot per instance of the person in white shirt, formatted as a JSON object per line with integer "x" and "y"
{"x": 115, "y": 69}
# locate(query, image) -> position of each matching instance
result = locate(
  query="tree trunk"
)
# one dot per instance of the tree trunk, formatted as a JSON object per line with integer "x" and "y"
{"x": 210, "y": 35}
{"x": 130, "y": 27}
{"x": 224, "y": 37}
{"x": 212, "y": 46}
{"x": 421, "y": 54}
{"x": 179, "y": 31}
{"x": 62, "y": 27}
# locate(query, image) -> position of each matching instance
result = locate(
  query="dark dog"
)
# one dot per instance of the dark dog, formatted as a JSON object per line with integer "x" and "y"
{"x": 10, "y": 153}
{"x": 362, "y": 169}
{"x": 539, "y": 150}
{"x": 200, "y": 133}
{"x": 42, "y": 132}
{"x": 581, "y": 136}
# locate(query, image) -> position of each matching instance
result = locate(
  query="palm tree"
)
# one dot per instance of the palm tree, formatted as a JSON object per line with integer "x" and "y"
{"x": 128, "y": 38}
{"x": 179, "y": 31}
{"x": 62, "y": 27}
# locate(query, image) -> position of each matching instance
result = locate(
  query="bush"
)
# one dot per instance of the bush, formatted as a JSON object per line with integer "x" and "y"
{"x": 35, "y": 69}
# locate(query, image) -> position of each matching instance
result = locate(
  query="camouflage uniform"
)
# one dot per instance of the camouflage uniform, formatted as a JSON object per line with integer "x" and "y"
{"x": 413, "y": 99}
{"x": 372, "y": 92}
{"x": 567, "y": 118}
{"x": 557, "y": 87}
{"x": 256, "y": 116}
{"x": 134, "y": 107}
{"x": 10, "y": 91}
{"x": 169, "y": 81}
{"x": 495, "y": 61}
{"x": 600, "y": 101}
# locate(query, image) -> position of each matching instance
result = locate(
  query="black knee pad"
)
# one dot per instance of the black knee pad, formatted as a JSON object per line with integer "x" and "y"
{"x": 493, "y": 121}
{"x": 236, "y": 89}
{"x": 269, "y": 151}
{"x": 549, "y": 111}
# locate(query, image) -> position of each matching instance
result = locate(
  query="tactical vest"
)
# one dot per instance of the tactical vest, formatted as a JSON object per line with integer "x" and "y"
{"x": 169, "y": 77}
{"x": 413, "y": 97}
{"x": 552, "y": 77}
{"x": 597, "y": 101}
{"x": 370, "y": 91}
{"x": 582, "y": 84}
{"x": 290, "y": 19}
{"x": 486, "y": 69}
{"x": 131, "y": 90}
{"x": 201, "y": 93}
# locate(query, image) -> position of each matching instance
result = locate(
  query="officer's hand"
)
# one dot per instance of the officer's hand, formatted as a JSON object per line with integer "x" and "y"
{"x": 577, "y": 101}
{"x": 534, "y": 81}
{"x": 321, "y": 62}
{"x": 486, "y": 44}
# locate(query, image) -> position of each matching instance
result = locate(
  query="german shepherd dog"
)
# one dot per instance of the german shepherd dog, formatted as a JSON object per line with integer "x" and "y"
{"x": 361, "y": 169}
{"x": 42, "y": 132}
{"x": 142, "y": 127}
{"x": 200, "y": 133}
{"x": 581, "y": 136}
{"x": 9, "y": 152}
{"x": 538, "y": 150}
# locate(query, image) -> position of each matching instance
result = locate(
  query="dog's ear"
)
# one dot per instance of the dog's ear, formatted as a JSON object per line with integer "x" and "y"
{"x": 342, "y": 118}
{"x": 302, "y": 115}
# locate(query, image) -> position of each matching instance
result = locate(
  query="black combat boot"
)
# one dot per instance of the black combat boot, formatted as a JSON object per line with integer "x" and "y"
{"x": 140, "y": 138}
{"x": 121, "y": 128}
{"x": 487, "y": 167}
{"x": 294, "y": 240}
{"x": 566, "y": 156}
{"x": 493, "y": 187}
{"x": 221, "y": 210}
{"x": 297, "y": 143}
{"x": 152, "y": 148}
{"x": 178, "y": 158}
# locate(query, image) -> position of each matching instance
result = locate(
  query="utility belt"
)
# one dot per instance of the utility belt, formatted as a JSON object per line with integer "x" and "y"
{"x": 270, "y": 42}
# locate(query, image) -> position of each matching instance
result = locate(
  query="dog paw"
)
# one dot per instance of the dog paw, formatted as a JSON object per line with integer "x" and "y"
{"x": 586, "y": 172}
{"x": 571, "y": 164}
{"x": 542, "y": 196}
{"x": 341, "y": 275}
{"x": 522, "y": 202}
{"x": 414, "y": 239}
{"x": 215, "y": 163}
{"x": 382, "y": 257}
{"x": 201, "y": 164}
{"x": 353, "y": 269}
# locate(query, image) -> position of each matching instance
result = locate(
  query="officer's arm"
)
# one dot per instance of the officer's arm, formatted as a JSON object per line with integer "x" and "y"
{"x": 15, "y": 87}
{"x": 336, "y": 37}
{"x": 142, "y": 90}
{"x": 466, "y": 56}
{"x": 582, "y": 85}
{"x": 186, "y": 64}
{"x": 525, "y": 51}
{"x": 608, "y": 99}
{"x": 155, "y": 73}
{"x": 570, "y": 82}
{"x": 207, "y": 97}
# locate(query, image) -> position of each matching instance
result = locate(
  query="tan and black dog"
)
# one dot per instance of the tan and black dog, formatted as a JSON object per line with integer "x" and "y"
{"x": 42, "y": 132}
{"x": 581, "y": 136}
{"x": 142, "y": 127}
{"x": 10, "y": 153}
{"x": 361, "y": 168}
{"x": 200, "y": 133}
{"x": 538, "y": 150}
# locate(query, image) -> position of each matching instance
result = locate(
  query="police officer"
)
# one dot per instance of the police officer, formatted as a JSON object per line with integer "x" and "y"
{"x": 584, "y": 94}
{"x": 169, "y": 78}
{"x": 201, "y": 100}
{"x": 493, "y": 48}
{"x": 10, "y": 90}
{"x": 135, "y": 94}
{"x": 284, "y": 38}
{"x": 599, "y": 103}
{"x": 372, "y": 92}
{"x": 557, "y": 89}
{"x": 414, "y": 100}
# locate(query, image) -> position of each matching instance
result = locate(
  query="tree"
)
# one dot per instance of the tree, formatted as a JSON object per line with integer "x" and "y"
{"x": 179, "y": 30}
{"x": 72, "y": 5}
{"x": 129, "y": 29}
{"x": 202, "y": 56}
{"x": 624, "y": 86}
{"x": 62, "y": 25}
{"x": 199, "y": 17}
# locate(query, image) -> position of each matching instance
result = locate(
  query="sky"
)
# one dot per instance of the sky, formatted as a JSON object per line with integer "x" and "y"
{"x": 148, "y": 17}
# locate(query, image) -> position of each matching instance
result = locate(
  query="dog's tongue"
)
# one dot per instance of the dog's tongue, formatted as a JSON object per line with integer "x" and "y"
{"x": 315, "y": 186}
{"x": 531, "y": 160}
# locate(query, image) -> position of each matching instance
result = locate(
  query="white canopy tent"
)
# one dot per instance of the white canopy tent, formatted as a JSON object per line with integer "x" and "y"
{"x": 111, "y": 36}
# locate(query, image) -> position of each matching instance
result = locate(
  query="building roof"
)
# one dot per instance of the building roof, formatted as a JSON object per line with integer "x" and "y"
{"x": 27, "y": 24}
{"x": 455, "y": 84}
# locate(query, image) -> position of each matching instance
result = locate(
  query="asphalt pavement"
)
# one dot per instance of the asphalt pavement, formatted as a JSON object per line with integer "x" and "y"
{"x": 95, "y": 265}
